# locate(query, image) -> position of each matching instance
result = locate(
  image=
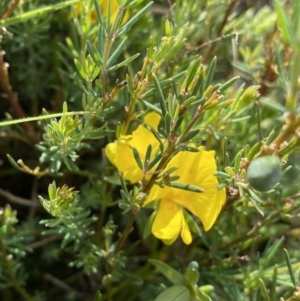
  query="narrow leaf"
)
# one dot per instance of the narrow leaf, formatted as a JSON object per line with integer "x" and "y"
{"x": 174, "y": 293}
{"x": 137, "y": 158}
{"x": 210, "y": 72}
{"x": 160, "y": 95}
{"x": 36, "y": 13}
{"x": 184, "y": 186}
{"x": 130, "y": 59}
{"x": 134, "y": 19}
{"x": 117, "y": 52}
{"x": 170, "y": 273}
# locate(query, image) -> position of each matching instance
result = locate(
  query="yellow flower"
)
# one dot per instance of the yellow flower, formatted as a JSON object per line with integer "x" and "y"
{"x": 195, "y": 169}
{"x": 120, "y": 153}
{"x": 104, "y": 7}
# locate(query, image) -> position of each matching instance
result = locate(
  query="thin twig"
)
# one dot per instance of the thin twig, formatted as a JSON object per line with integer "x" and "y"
{"x": 45, "y": 241}
{"x": 12, "y": 6}
{"x": 220, "y": 29}
{"x": 18, "y": 200}
{"x": 62, "y": 285}
{"x": 11, "y": 96}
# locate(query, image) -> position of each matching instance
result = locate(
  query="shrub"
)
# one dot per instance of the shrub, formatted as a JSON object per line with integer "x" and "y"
{"x": 142, "y": 144}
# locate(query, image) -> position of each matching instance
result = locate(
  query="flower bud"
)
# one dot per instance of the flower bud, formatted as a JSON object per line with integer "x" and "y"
{"x": 249, "y": 95}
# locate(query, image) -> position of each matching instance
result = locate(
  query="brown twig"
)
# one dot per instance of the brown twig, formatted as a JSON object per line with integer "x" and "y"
{"x": 45, "y": 241}
{"x": 229, "y": 10}
{"x": 5, "y": 85}
{"x": 18, "y": 200}
{"x": 11, "y": 96}
{"x": 62, "y": 285}
{"x": 12, "y": 6}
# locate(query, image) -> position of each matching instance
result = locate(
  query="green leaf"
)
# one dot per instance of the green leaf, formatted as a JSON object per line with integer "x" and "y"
{"x": 210, "y": 72}
{"x": 98, "y": 12}
{"x": 130, "y": 59}
{"x": 228, "y": 84}
{"x": 296, "y": 18}
{"x": 222, "y": 175}
{"x": 192, "y": 72}
{"x": 192, "y": 223}
{"x": 201, "y": 296}
{"x": 187, "y": 148}
{"x": 13, "y": 162}
{"x": 94, "y": 54}
{"x": 36, "y": 13}
{"x": 170, "y": 273}
{"x": 147, "y": 226}
{"x": 290, "y": 268}
{"x": 151, "y": 106}
{"x": 160, "y": 95}
{"x": 263, "y": 290}
{"x": 117, "y": 52}
{"x": 155, "y": 160}
{"x": 271, "y": 104}
{"x": 52, "y": 191}
{"x": 174, "y": 293}
{"x": 235, "y": 120}
{"x": 254, "y": 196}
{"x": 167, "y": 122}
{"x": 237, "y": 161}
{"x": 98, "y": 296}
{"x": 191, "y": 275}
{"x": 134, "y": 19}
{"x": 190, "y": 135}
{"x": 284, "y": 23}
{"x": 255, "y": 201}
{"x": 273, "y": 284}
{"x": 125, "y": 196}
{"x": 81, "y": 70}
{"x": 95, "y": 134}
{"x": 184, "y": 186}
{"x": 177, "y": 125}
{"x": 137, "y": 158}
{"x": 148, "y": 154}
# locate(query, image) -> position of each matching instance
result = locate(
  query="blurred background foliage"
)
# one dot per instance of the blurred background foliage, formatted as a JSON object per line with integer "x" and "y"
{"x": 66, "y": 248}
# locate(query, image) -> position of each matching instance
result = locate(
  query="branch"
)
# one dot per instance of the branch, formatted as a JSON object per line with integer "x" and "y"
{"x": 18, "y": 200}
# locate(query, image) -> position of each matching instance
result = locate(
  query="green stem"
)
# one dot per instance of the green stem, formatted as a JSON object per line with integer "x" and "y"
{"x": 291, "y": 99}
{"x": 199, "y": 112}
{"x": 106, "y": 52}
{"x": 129, "y": 114}
{"x": 253, "y": 232}
{"x": 43, "y": 117}
{"x": 125, "y": 233}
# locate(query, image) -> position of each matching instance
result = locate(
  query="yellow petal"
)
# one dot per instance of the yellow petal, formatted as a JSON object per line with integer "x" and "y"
{"x": 142, "y": 137}
{"x": 157, "y": 193}
{"x": 198, "y": 169}
{"x": 185, "y": 231}
{"x": 169, "y": 241}
{"x": 119, "y": 153}
{"x": 195, "y": 169}
{"x": 110, "y": 152}
{"x": 114, "y": 6}
{"x": 104, "y": 9}
{"x": 168, "y": 221}
{"x": 152, "y": 119}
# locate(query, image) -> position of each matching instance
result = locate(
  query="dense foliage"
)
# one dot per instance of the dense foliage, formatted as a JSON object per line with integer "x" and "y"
{"x": 149, "y": 150}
